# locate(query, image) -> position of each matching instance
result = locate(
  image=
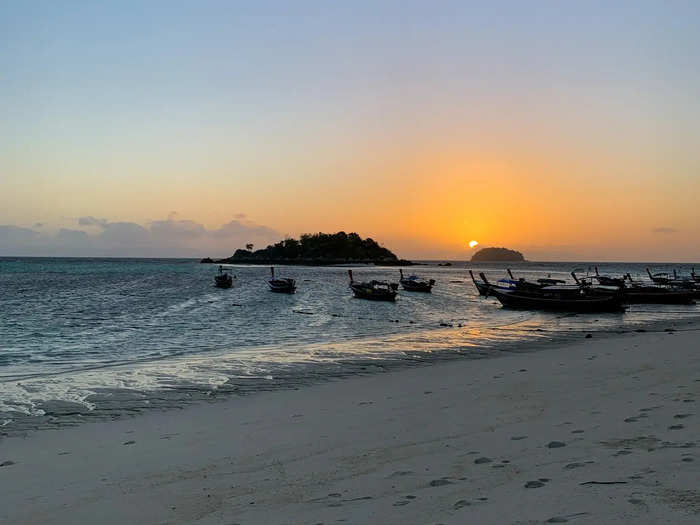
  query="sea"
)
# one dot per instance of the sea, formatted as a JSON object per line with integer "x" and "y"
{"x": 85, "y": 339}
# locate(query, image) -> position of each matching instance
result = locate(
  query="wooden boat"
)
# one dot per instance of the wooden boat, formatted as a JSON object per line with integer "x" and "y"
{"x": 540, "y": 283}
{"x": 640, "y": 293}
{"x": 413, "y": 283}
{"x": 606, "y": 280}
{"x": 481, "y": 286}
{"x": 224, "y": 279}
{"x": 554, "y": 301}
{"x": 373, "y": 290}
{"x": 660, "y": 277}
{"x": 286, "y": 285}
{"x": 598, "y": 284}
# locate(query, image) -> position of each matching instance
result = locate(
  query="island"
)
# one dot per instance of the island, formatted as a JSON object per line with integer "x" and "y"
{"x": 497, "y": 255}
{"x": 319, "y": 249}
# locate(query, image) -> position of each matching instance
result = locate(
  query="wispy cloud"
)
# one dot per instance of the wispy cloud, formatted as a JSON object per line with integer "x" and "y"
{"x": 664, "y": 229}
{"x": 92, "y": 221}
{"x": 171, "y": 237}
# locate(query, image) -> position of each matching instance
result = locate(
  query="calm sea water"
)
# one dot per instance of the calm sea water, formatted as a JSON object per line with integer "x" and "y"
{"x": 81, "y": 330}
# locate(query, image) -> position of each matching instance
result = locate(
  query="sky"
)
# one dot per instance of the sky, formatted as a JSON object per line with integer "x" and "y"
{"x": 566, "y": 130}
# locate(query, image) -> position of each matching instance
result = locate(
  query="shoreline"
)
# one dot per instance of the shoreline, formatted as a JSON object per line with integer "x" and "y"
{"x": 111, "y": 403}
{"x": 448, "y": 442}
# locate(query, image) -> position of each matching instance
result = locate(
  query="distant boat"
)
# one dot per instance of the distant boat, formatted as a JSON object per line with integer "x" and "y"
{"x": 286, "y": 285}
{"x": 639, "y": 292}
{"x": 560, "y": 303}
{"x": 526, "y": 295}
{"x": 224, "y": 279}
{"x": 413, "y": 283}
{"x": 373, "y": 290}
{"x": 660, "y": 277}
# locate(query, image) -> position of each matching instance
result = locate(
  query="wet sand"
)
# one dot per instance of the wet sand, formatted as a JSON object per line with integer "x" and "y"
{"x": 601, "y": 431}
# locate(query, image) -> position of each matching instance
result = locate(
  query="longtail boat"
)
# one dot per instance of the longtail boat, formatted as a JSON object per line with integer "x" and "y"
{"x": 413, "y": 283}
{"x": 285, "y": 285}
{"x": 373, "y": 290}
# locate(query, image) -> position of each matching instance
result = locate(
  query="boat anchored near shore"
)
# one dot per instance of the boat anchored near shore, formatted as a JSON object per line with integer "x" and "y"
{"x": 224, "y": 279}
{"x": 373, "y": 290}
{"x": 284, "y": 285}
{"x": 413, "y": 283}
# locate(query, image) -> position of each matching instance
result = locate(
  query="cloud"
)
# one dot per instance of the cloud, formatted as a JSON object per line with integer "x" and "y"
{"x": 91, "y": 221}
{"x": 171, "y": 237}
{"x": 173, "y": 228}
{"x": 14, "y": 234}
{"x": 236, "y": 228}
{"x": 664, "y": 229}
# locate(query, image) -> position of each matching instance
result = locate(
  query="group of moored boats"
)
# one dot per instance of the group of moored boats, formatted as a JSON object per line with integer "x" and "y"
{"x": 225, "y": 277}
{"x": 373, "y": 290}
{"x": 591, "y": 293}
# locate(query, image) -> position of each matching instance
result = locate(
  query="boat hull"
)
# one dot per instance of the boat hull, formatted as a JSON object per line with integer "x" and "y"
{"x": 282, "y": 286}
{"x": 220, "y": 282}
{"x": 416, "y": 287}
{"x": 373, "y": 295}
{"x": 482, "y": 288}
{"x": 663, "y": 297}
{"x": 520, "y": 301}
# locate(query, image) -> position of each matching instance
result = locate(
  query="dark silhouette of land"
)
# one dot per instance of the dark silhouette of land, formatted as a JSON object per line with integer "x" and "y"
{"x": 317, "y": 250}
{"x": 497, "y": 255}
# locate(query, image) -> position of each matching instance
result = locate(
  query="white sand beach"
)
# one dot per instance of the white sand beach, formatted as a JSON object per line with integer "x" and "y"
{"x": 601, "y": 431}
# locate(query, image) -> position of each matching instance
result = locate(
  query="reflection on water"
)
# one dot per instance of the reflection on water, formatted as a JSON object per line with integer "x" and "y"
{"x": 69, "y": 328}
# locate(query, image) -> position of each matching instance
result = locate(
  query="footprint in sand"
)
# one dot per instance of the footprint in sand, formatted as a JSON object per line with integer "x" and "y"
{"x": 481, "y": 461}
{"x": 400, "y": 473}
{"x": 440, "y": 482}
{"x": 534, "y": 484}
{"x": 555, "y": 444}
{"x": 461, "y": 504}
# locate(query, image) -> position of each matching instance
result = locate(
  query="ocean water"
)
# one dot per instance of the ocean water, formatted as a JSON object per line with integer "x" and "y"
{"x": 82, "y": 338}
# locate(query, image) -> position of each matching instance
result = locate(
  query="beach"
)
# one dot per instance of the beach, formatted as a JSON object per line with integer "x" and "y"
{"x": 604, "y": 430}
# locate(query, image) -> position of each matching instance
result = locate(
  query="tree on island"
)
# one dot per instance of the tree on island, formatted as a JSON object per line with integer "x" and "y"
{"x": 497, "y": 255}
{"x": 319, "y": 248}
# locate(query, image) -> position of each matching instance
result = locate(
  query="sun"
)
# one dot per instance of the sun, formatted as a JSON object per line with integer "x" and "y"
{"x": 473, "y": 243}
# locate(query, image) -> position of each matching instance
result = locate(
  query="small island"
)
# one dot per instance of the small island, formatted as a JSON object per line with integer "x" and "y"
{"x": 318, "y": 249}
{"x": 497, "y": 255}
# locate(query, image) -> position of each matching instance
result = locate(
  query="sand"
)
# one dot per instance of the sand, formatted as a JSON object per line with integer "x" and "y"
{"x": 601, "y": 431}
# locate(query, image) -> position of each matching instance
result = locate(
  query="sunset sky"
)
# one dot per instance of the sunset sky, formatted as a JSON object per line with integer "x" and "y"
{"x": 569, "y": 131}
